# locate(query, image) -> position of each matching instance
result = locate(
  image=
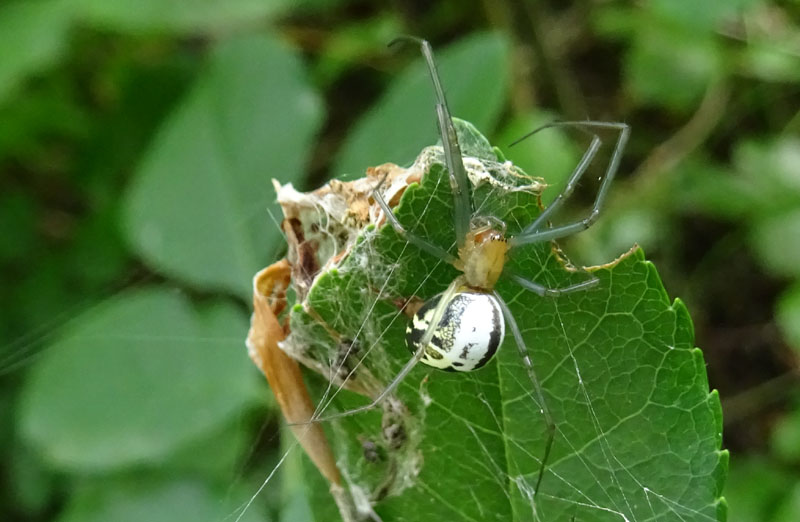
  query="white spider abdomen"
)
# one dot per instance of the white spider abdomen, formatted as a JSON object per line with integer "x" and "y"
{"x": 467, "y": 336}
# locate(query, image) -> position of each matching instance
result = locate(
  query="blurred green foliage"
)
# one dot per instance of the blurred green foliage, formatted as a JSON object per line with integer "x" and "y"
{"x": 137, "y": 144}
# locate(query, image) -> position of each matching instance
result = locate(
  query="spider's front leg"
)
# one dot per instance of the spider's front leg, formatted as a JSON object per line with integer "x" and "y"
{"x": 412, "y": 238}
{"x": 459, "y": 182}
{"x": 544, "y": 291}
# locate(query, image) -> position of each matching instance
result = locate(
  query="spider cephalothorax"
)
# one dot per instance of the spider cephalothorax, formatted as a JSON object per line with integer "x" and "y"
{"x": 482, "y": 257}
{"x": 471, "y": 327}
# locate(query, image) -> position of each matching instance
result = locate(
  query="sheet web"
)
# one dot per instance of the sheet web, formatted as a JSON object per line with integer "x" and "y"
{"x": 637, "y": 432}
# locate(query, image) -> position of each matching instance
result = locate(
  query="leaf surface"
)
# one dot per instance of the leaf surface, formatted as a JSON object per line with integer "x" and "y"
{"x": 135, "y": 380}
{"x": 176, "y": 16}
{"x": 637, "y": 432}
{"x": 33, "y": 36}
{"x": 155, "y": 501}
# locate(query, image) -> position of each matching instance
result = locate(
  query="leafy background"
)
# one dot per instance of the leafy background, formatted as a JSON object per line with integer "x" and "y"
{"x": 136, "y": 147}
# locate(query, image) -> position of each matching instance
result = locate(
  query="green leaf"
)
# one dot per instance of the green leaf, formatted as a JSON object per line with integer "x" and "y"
{"x": 769, "y": 57}
{"x": 31, "y": 481}
{"x": 135, "y": 379}
{"x": 755, "y": 487}
{"x": 217, "y": 454}
{"x": 33, "y": 35}
{"x": 296, "y": 495}
{"x": 353, "y": 43}
{"x": 637, "y": 432}
{"x": 176, "y": 16}
{"x": 715, "y": 190}
{"x": 769, "y": 179}
{"x": 776, "y": 240}
{"x": 155, "y": 501}
{"x": 764, "y": 183}
{"x": 196, "y": 210}
{"x": 785, "y": 437}
{"x": 672, "y": 66}
{"x": 769, "y": 172}
{"x": 699, "y": 16}
{"x": 789, "y": 509}
{"x": 403, "y": 120}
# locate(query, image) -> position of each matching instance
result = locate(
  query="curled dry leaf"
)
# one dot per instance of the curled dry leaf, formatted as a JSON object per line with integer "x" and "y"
{"x": 283, "y": 372}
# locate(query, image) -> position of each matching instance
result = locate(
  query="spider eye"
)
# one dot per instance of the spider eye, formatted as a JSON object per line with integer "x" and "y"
{"x": 467, "y": 336}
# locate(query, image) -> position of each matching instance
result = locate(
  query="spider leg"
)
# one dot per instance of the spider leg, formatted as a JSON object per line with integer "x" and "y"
{"x": 459, "y": 183}
{"x": 553, "y": 292}
{"x": 438, "y": 312}
{"x": 415, "y": 240}
{"x": 526, "y": 361}
{"x": 572, "y": 182}
{"x": 534, "y": 234}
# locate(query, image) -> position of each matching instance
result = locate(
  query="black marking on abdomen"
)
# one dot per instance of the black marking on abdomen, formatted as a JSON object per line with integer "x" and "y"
{"x": 494, "y": 338}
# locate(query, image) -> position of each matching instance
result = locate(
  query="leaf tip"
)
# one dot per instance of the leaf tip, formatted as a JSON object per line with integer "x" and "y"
{"x": 721, "y": 474}
{"x": 684, "y": 327}
{"x": 716, "y": 405}
{"x": 722, "y": 509}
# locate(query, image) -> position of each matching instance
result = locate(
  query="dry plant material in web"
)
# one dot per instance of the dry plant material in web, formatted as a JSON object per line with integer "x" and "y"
{"x": 319, "y": 227}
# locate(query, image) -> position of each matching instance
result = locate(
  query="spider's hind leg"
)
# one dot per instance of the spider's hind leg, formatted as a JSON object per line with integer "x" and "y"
{"x": 537, "y": 387}
{"x": 544, "y": 291}
{"x": 536, "y": 231}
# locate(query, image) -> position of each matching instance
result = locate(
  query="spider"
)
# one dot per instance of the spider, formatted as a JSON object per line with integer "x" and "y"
{"x": 461, "y": 329}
